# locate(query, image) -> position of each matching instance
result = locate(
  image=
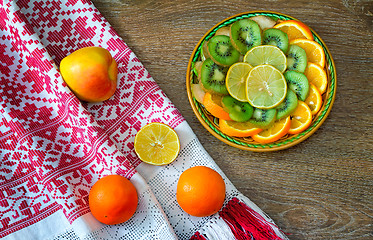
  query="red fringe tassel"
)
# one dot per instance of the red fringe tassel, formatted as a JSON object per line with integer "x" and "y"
{"x": 197, "y": 236}
{"x": 245, "y": 223}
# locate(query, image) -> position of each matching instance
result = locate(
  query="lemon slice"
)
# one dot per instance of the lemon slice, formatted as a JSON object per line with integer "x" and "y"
{"x": 236, "y": 80}
{"x": 265, "y": 87}
{"x": 157, "y": 144}
{"x": 266, "y": 54}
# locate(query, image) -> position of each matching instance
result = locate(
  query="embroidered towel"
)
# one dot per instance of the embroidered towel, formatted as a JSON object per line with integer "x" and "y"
{"x": 53, "y": 147}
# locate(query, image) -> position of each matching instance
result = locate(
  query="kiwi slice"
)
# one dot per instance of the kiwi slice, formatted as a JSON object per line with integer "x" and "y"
{"x": 276, "y": 37}
{"x": 245, "y": 34}
{"x": 297, "y": 82}
{"x": 213, "y": 77}
{"x": 296, "y": 58}
{"x": 221, "y": 51}
{"x": 238, "y": 111}
{"x": 288, "y": 105}
{"x": 263, "y": 118}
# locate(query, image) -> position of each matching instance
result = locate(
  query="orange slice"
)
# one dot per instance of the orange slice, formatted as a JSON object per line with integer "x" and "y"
{"x": 295, "y": 29}
{"x": 301, "y": 118}
{"x": 314, "y": 99}
{"x": 212, "y": 103}
{"x": 157, "y": 144}
{"x": 279, "y": 129}
{"x": 317, "y": 76}
{"x": 238, "y": 129}
{"x": 315, "y": 53}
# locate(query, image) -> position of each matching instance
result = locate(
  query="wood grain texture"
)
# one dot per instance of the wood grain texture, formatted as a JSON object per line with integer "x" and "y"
{"x": 319, "y": 189}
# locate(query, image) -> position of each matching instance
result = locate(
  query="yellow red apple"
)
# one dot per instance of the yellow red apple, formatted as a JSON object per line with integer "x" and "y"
{"x": 90, "y": 73}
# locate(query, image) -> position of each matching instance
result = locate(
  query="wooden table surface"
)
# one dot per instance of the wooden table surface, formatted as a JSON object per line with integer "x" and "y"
{"x": 321, "y": 188}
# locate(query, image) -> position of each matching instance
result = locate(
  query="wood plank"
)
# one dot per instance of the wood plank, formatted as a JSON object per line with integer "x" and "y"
{"x": 319, "y": 189}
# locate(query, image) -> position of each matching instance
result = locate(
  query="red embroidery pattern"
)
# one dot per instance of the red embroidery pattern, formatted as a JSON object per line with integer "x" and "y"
{"x": 24, "y": 200}
{"x": 52, "y": 147}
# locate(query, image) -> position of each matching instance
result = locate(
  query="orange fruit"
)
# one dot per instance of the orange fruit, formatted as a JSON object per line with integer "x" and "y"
{"x": 157, "y": 144}
{"x": 113, "y": 199}
{"x": 317, "y": 76}
{"x": 314, "y": 99}
{"x": 238, "y": 129}
{"x": 315, "y": 53}
{"x": 279, "y": 129}
{"x": 295, "y": 29}
{"x": 301, "y": 118}
{"x": 200, "y": 191}
{"x": 212, "y": 103}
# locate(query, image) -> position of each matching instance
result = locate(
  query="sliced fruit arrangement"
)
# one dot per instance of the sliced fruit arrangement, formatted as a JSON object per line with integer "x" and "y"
{"x": 261, "y": 78}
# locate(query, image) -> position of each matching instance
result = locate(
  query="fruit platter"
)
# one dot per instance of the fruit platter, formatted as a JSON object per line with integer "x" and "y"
{"x": 261, "y": 81}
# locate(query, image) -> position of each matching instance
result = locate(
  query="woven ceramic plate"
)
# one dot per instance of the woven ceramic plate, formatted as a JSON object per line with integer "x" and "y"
{"x": 212, "y": 124}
